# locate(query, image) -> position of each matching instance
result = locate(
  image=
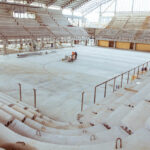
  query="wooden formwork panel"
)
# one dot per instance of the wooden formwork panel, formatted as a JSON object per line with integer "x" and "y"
{"x": 142, "y": 47}
{"x": 123, "y": 45}
{"x": 103, "y": 43}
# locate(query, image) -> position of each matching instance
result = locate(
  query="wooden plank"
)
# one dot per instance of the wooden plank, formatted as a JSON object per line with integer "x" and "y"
{"x": 131, "y": 90}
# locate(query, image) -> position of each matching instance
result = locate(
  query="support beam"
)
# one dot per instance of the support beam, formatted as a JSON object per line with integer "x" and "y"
{"x": 100, "y": 13}
{"x": 95, "y": 6}
{"x": 51, "y": 2}
{"x": 55, "y": 44}
{"x": 132, "y": 9}
{"x": 115, "y": 7}
{"x": 134, "y": 46}
{"x": 5, "y": 47}
{"x": 80, "y": 4}
{"x": 67, "y": 4}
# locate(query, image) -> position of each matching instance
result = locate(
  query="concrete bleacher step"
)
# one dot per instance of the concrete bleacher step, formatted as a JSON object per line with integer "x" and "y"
{"x": 25, "y": 112}
{"x": 13, "y": 112}
{"x": 9, "y": 100}
{"x": 147, "y": 124}
{"x": 105, "y": 136}
{"x": 138, "y": 141}
{"x": 31, "y": 112}
{"x": 41, "y": 127}
{"x": 114, "y": 119}
{"x": 76, "y": 132}
{"x": 137, "y": 117}
{"x": 109, "y": 106}
{"x": 5, "y": 118}
{"x": 136, "y": 85}
{"x": 21, "y": 114}
{"x": 13, "y": 138}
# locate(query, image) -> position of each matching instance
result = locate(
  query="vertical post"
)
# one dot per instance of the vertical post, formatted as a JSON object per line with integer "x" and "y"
{"x": 100, "y": 14}
{"x": 134, "y": 71}
{"x": 114, "y": 44}
{"x": 20, "y": 92}
{"x": 128, "y": 77}
{"x": 115, "y": 7}
{"x": 72, "y": 16}
{"x": 114, "y": 85}
{"x": 21, "y": 45}
{"x": 105, "y": 89}
{"x": 143, "y": 69}
{"x": 132, "y": 6}
{"x": 121, "y": 80}
{"x": 95, "y": 95}
{"x": 34, "y": 90}
{"x": 147, "y": 66}
{"x": 82, "y": 101}
{"x": 134, "y": 46}
{"x": 138, "y": 72}
{"x": 5, "y": 47}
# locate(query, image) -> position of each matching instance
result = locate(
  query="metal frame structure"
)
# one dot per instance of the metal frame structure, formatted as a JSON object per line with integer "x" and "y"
{"x": 47, "y": 24}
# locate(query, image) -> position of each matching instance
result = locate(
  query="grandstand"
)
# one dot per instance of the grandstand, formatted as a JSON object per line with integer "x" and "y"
{"x": 126, "y": 31}
{"x": 74, "y": 75}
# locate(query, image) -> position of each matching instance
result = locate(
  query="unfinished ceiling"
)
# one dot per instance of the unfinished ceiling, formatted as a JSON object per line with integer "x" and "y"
{"x": 73, "y": 4}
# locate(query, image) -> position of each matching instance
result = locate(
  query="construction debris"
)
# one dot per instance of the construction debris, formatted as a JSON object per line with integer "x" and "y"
{"x": 131, "y": 90}
{"x": 28, "y": 54}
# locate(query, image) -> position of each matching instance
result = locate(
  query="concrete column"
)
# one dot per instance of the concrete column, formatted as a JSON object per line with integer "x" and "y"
{"x": 95, "y": 42}
{"x": 132, "y": 9}
{"x": 114, "y": 44}
{"x": 72, "y": 43}
{"x": 86, "y": 42}
{"x": 72, "y": 16}
{"x": 4, "y": 47}
{"x": 34, "y": 45}
{"x": 134, "y": 46}
{"x": 100, "y": 14}
{"x": 31, "y": 46}
{"x": 115, "y": 7}
{"x": 21, "y": 46}
{"x": 54, "y": 45}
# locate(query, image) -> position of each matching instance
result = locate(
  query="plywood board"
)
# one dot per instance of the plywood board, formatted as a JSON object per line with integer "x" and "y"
{"x": 123, "y": 45}
{"x": 142, "y": 47}
{"x": 103, "y": 43}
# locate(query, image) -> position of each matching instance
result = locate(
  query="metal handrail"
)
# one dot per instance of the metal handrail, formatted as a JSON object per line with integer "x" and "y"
{"x": 82, "y": 101}
{"x": 105, "y": 83}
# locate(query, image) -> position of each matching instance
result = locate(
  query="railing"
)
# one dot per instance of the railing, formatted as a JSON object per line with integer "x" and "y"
{"x": 34, "y": 91}
{"x": 136, "y": 72}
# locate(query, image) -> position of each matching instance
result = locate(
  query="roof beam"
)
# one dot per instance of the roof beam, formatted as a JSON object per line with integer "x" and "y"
{"x": 51, "y": 2}
{"x": 81, "y": 4}
{"x": 67, "y": 4}
{"x": 96, "y": 6}
{"x": 29, "y": 1}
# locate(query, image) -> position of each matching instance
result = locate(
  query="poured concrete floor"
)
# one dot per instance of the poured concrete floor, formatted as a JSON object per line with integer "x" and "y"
{"x": 60, "y": 84}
